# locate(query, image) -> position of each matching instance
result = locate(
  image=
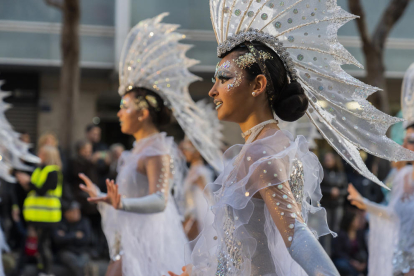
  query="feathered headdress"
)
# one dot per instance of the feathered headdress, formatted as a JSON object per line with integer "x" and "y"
{"x": 153, "y": 58}
{"x": 304, "y": 35}
{"x": 12, "y": 150}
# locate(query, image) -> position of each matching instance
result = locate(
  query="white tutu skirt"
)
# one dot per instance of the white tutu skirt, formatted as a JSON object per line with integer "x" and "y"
{"x": 152, "y": 244}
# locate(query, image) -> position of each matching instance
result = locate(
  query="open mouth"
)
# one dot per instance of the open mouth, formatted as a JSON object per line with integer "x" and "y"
{"x": 218, "y": 105}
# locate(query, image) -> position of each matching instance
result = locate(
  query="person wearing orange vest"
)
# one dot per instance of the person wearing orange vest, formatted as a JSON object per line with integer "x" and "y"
{"x": 42, "y": 206}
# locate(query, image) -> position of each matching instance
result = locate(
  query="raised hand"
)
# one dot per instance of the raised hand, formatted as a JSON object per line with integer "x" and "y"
{"x": 88, "y": 187}
{"x": 355, "y": 197}
{"x": 112, "y": 197}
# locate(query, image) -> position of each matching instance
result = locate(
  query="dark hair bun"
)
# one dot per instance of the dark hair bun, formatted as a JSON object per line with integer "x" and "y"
{"x": 164, "y": 116}
{"x": 291, "y": 103}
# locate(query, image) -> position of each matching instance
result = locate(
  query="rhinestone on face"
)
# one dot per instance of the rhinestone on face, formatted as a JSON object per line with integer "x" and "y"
{"x": 264, "y": 16}
{"x": 248, "y": 158}
{"x": 264, "y": 171}
{"x": 264, "y": 152}
{"x": 289, "y": 206}
{"x": 291, "y": 39}
{"x": 250, "y": 14}
{"x": 237, "y": 12}
{"x": 269, "y": 163}
{"x": 285, "y": 197}
{"x": 290, "y": 238}
{"x": 290, "y": 20}
{"x": 282, "y": 213}
{"x": 291, "y": 226}
{"x": 277, "y": 203}
{"x": 280, "y": 186}
{"x": 274, "y": 195}
{"x": 300, "y": 57}
{"x": 278, "y": 25}
{"x": 275, "y": 175}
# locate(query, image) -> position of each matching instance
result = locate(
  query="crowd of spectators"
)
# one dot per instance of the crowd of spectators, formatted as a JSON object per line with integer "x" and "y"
{"x": 62, "y": 237}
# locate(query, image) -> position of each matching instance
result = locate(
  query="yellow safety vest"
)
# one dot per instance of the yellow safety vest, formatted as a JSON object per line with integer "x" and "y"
{"x": 45, "y": 208}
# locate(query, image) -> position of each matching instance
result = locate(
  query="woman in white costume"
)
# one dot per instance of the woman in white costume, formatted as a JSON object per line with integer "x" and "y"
{"x": 139, "y": 216}
{"x": 199, "y": 174}
{"x": 391, "y": 235}
{"x": 282, "y": 57}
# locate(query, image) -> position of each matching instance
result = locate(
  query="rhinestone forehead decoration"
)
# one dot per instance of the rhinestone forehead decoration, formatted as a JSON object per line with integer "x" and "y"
{"x": 256, "y": 35}
{"x": 247, "y": 60}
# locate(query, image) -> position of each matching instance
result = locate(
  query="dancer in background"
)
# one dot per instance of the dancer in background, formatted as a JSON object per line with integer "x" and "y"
{"x": 391, "y": 239}
{"x": 283, "y": 58}
{"x": 197, "y": 196}
{"x": 140, "y": 218}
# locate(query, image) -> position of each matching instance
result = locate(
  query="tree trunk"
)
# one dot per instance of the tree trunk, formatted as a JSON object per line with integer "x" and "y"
{"x": 70, "y": 72}
{"x": 376, "y": 76}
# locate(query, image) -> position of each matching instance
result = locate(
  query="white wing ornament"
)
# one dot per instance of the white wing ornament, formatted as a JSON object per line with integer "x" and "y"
{"x": 304, "y": 35}
{"x": 153, "y": 58}
{"x": 12, "y": 150}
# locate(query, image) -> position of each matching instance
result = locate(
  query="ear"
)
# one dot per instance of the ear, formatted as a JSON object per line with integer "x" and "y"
{"x": 259, "y": 84}
{"x": 143, "y": 114}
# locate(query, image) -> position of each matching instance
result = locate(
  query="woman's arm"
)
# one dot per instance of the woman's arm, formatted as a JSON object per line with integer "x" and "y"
{"x": 302, "y": 245}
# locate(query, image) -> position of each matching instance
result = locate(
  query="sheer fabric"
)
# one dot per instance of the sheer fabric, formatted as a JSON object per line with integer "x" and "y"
{"x": 197, "y": 197}
{"x": 251, "y": 236}
{"x": 151, "y": 243}
{"x": 391, "y": 236}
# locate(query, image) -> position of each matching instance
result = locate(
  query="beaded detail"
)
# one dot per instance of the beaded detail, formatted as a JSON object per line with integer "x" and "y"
{"x": 229, "y": 257}
{"x": 297, "y": 179}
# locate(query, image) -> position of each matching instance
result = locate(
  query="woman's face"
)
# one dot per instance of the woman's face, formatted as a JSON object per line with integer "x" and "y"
{"x": 329, "y": 161}
{"x": 128, "y": 115}
{"x": 232, "y": 91}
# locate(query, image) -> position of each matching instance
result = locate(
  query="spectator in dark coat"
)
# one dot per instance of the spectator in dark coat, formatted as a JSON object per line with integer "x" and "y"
{"x": 72, "y": 237}
{"x": 349, "y": 249}
{"x": 334, "y": 190}
{"x": 82, "y": 163}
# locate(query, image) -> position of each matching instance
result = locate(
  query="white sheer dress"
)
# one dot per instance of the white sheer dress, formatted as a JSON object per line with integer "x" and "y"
{"x": 391, "y": 235}
{"x": 269, "y": 236}
{"x": 148, "y": 233}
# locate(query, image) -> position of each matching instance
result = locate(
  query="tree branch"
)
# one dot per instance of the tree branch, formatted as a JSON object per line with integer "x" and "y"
{"x": 356, "y": 8}
{"x": 55, "y": 3}
{"x": 390, "y": 16}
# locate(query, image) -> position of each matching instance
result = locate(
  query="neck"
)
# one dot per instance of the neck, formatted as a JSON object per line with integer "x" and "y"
{"x": 255, "y": 119}
{"x": 196, "y": 162}
{"x": 145, "y": 132}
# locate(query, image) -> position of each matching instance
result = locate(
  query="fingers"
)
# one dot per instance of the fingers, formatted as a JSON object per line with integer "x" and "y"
{"x": 84, "y": 188}
{"x": 85, "y": 179}
{"x": 98, "y": 199}
{"x": 172, "y": 273}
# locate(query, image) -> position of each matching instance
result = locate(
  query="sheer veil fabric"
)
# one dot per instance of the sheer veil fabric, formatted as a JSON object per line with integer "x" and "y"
{"x": 243, "y": 231}
{"x": 150, "y": 244}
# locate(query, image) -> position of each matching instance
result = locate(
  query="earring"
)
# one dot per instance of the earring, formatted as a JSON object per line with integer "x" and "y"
{"x": 254, "y": 94}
